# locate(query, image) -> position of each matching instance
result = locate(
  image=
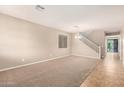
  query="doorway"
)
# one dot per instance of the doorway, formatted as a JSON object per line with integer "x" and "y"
{"x": 112, "y": 45}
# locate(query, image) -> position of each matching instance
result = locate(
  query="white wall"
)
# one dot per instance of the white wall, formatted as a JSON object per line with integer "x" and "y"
{"x": 80, "y": 48}
{"x": 23, "y": 42}
{"x": 122, "y": 44}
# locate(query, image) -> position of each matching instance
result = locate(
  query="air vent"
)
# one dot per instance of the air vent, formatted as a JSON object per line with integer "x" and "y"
{"x": 39, "y": 8}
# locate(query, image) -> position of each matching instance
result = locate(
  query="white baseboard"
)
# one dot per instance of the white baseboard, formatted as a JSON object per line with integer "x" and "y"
{"x": 85, "y": 56}
{"x": 28, "y": 64}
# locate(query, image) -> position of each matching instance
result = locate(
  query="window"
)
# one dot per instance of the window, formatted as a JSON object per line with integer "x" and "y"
{"x": 62, "y": 41}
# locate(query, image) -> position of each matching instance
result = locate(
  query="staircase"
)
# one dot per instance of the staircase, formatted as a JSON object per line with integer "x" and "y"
{"x": 91, "y": 44}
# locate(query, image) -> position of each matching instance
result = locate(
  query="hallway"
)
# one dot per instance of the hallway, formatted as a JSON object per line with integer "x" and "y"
{"x": 109, "y": 73}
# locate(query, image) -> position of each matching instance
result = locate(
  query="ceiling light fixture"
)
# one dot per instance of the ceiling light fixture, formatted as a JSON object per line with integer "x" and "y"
{"x": 39, "y": 7}
{"x": 76, "y": 26}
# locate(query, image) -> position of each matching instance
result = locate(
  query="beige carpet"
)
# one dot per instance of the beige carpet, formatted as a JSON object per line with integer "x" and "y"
{"x": 64, "y": 72}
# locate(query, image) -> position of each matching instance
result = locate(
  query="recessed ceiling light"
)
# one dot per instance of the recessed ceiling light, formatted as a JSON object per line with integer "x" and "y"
{"x": 76, "y": 26}
{"x": 39, "y": 8}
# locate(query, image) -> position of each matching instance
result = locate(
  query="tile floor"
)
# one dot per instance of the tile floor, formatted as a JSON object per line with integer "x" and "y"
{"x": 109, "y": 73}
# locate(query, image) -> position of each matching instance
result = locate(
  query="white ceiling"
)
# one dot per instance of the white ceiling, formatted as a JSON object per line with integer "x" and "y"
{"x": 70, "y": 18}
